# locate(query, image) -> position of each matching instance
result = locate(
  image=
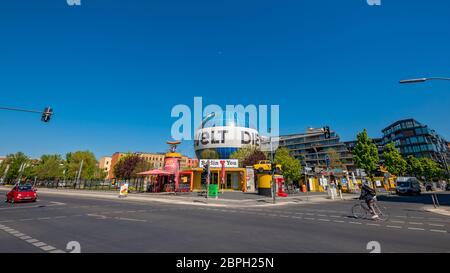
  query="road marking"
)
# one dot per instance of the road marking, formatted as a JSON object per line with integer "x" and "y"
{"x": 415, "y": 217}
{"x": 436, "y": 225}
{"x": 39, "y": 244}
{"x": 130, "y": 219}
{"x": 308, "y": 218}
{"x": 31, "y": 241}
{"x": 394, "y": 226}
{"x": 321, "y": 215}
{"x": 369, "y": 224}
{"x": 285, "y": 216}
{"x": 413, "y": 228}
{"x": 324, "y": 220}
{"x": 400, "y": 216}
{"x": 48, "y": 248}
{"x": 415, "y": 223}
{"x": 57, "y": 251}
{"x": 44, "y": 218}
{"x": 25, "y": 237}
{"x": 297, "y": 217}
{"x": 355, "y": 223}
{"x": 19, "y": 234}
{"x": 395, "y": 221}
{"x": 335, "y": 216}
{"x": 438, "y": 230}
{"x": 299, "y": 213}
{"x": 28, "y": 219}
{"x": 310, "y": 214}
{"x": 102, "y": 217}
{"x": 338, "y": 221}
{"x": 60, "y": 217}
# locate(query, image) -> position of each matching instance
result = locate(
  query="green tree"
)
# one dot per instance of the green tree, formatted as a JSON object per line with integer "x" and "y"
{"x": 290, "y": 166}
{"x": 90, "y": 167}
{"x": 431, "y": 169}
{"x": 14, "y": 161}
{"x": 50, "y": 167}
{"x": 393, "y": 160}
{"x": 245, "y": 153}
{"x": 414, "y": 166}
{"x": 365, "y": 154}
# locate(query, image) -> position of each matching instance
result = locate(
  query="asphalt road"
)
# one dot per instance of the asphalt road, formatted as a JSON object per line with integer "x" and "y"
{"x": 122, "y": 226}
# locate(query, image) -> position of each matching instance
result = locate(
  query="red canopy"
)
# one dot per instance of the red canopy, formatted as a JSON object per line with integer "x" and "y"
{"x": 155, "y": 172}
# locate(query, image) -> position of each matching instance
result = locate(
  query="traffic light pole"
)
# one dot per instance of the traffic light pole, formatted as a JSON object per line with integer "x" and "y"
{"x": 46, "y": 114}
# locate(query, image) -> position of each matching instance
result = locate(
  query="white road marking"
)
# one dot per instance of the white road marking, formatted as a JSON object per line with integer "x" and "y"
{"x": 369, "y": 224}
{"x": 39, "y": 244}
{"x": 297, "y": 217}
{"x": 130, "y": 219}
{"x": 413, "y": 228}
{"x": 324, "y": 220}
{"x": 394, "y": 226}
{"x": 395, "y": 221}
{"x": 19, "y": 234}
{"x": 338, "y": 221}
{"x": 335, "y": 216}
{"x": 48, "y": 248}
{"x": 355, "y": 223}
{"x": 25, "y": 237}
{"x": 307, "y": 218}
{"x": 31, "y": 241}
{"x": 28, "y": 219}
{"x": 321, "y": 215}
{"x": 437, "y": 225}
{"x": 415, "y": 223}
{"x": 438, "y": 230}
{"x": 44, "y": 218}
{"x": 60, "y": 217}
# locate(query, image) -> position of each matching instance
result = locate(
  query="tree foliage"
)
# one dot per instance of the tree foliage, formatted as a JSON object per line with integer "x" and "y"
{"x": 290, "y": 166}
{"x": 129, "y": 166}
{"x": 393, "y": 160}
{"x": 248, "y": 155}
{"x": 10, "y": 167}
{"x": 90, "y": 168}
{"x": 365, "y": 154}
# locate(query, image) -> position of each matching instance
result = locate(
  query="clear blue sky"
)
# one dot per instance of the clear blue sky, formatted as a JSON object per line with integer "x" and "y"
{"x": 113, "y": 69}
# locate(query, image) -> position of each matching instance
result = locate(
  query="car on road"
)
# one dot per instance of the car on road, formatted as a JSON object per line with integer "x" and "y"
{"x": 22, "y": 193}
{"x": 265, "y": 166}
{"x": 408, "y": 185}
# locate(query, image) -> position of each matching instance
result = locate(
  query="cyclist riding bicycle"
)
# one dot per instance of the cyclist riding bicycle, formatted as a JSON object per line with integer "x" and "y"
{"x": 369, "y": 196}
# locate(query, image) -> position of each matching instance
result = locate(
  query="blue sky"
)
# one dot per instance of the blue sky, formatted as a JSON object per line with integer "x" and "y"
{"x": 112, "y": 70}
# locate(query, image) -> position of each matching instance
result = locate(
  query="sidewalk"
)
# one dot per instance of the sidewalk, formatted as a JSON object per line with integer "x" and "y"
{"x": 227, "y": 199}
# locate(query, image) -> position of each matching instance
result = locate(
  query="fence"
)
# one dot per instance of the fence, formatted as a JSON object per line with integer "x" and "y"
{"x": 134, "y": 185}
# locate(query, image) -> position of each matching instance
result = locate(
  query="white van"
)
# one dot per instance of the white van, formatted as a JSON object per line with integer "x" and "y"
{"x": 408, "y": 185}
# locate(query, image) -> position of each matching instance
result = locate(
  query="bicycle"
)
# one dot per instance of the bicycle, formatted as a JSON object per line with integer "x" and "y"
{"x": 362, "y": 211}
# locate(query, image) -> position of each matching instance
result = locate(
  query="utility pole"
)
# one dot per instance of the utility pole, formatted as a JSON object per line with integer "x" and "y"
{"x": 79, "y": 171}
{"x": 4, "y": 174}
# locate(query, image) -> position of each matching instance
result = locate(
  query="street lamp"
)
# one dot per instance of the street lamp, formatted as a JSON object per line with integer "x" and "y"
{"x": 419, "y": 80}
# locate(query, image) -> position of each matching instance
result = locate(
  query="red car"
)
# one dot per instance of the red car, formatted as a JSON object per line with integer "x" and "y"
{"x": 22, "y": 193}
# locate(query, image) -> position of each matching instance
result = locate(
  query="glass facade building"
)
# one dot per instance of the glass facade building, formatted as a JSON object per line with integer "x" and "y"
{"x": 414, "y": 138}
{"x": 312, "y": 148}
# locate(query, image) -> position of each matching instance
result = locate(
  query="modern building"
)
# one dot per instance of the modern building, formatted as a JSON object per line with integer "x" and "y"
{"x": 414, "y": 138}
{"x": 312, "y": 148}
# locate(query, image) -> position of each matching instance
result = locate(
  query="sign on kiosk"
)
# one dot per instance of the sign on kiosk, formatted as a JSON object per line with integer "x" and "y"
{"x": 215, "y": 163}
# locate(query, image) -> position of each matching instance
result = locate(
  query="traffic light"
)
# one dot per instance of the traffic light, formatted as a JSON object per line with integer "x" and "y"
{"x": 327, "y": 131}
{"x": 47, "y": 114}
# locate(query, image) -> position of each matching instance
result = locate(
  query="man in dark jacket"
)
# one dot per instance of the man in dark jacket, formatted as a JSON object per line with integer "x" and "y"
{"x": 368, "y": 195}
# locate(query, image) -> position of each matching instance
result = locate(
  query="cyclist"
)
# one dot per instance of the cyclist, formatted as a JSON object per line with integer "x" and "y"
{"x": 369, "y": 195}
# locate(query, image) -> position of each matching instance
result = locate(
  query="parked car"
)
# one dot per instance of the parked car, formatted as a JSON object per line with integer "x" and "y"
{"x": 266, "y": 165}
{"x": 22, "y": 193}
{"x": 408, "y": 185}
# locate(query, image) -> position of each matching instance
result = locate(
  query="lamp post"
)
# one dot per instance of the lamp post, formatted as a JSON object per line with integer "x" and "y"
{"x": 419, "y": 80}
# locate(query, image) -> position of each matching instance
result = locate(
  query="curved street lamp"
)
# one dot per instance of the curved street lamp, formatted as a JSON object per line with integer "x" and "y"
{"x": 418, "y": 80}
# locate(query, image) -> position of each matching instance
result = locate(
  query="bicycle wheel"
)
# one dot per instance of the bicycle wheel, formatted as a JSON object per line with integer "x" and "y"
{"x": 359, "y": 212}
{"x": 382, "y": 212}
